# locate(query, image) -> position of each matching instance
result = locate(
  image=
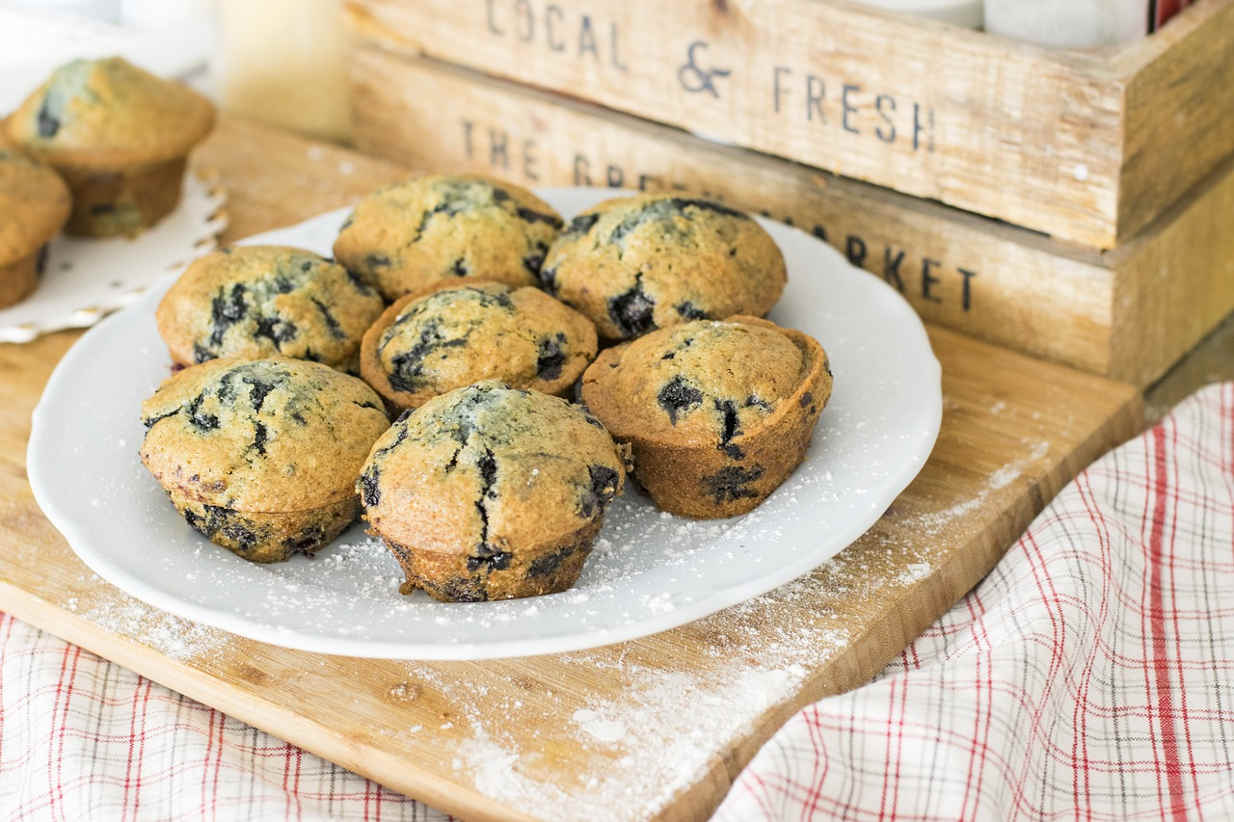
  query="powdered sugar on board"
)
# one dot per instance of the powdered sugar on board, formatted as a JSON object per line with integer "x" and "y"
{"x": 649, "y": 731}
{"x": 171, "y": 636}
{"x": 933, "y": 522}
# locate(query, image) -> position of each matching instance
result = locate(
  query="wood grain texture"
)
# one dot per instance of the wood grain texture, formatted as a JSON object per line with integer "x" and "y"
{"x": 1178, "y": 113}
{"x": 1174, "y": 282}
{"x": 1070, "y": 143}
{"x": 1128, "y": 313}
{"x": 438, "y": 731}
{"x": 312, "y": 176}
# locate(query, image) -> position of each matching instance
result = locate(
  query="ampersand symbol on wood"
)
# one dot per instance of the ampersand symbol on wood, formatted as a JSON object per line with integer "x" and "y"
{"x": 695, "y": 78}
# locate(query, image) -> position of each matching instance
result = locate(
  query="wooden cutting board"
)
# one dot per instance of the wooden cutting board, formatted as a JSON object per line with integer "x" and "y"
{"x": 654, "y": 728}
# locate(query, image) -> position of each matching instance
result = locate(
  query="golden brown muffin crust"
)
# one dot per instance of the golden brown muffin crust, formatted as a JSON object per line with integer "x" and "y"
{"x": 718, "y": 413}
{"x": 263, "y": 537}
{"x": 634, "y": 264}
{"x": 455, "y": 333}
{"x": 704, "y": 382}
{"x": 107, "y": 114}
{"x": 486, "y": 490}
{"x": 110, "y": 204}
{"x": 261, "y": 301}
{"x": 34, "y": 204}
{"x": 407, "y": 236}
{"x": 20, "y": 278}
{"x": 274, "y": 435}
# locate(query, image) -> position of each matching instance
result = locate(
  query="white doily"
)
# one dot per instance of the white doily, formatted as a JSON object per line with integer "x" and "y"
{"x": 85, "y": 279}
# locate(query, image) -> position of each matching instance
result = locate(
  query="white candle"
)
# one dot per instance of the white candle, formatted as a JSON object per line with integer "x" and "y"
{"x": 106, "y": 10}
{"x": 283, "y": 63}
{"x": 965, "y": 13}
{"x": 159, "y": 14}
{"x": 1068, "y": 23}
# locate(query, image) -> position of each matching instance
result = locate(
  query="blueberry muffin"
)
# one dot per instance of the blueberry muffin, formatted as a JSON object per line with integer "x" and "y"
{"x": 635, "y": 264}
{"x": 119, "y": 137}
{"x": 457, "y": 332}
{"x": 718, "y": 413}
{"x": 489, "y": 492}
{"x": 409, "y": 235}
{"x": 261, "y": 456}
{"x": 34, "y": 203}
{"x": 261, "y": 301}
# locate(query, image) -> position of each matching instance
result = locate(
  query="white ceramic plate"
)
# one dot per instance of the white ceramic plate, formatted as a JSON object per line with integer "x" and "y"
{"x": 649, "y": 572}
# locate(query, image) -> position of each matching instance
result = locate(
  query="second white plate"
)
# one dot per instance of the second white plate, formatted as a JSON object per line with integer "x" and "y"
{"x": 649, "y": 572}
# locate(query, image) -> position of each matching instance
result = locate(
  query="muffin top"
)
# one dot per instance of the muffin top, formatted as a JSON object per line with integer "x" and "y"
{"x": 273, "y": 435}
{"x": 634, "y": 264}
{"x": 108, "y": 113}
{"x": 34, "y": 203}
{"x": 409, "y": 235}
{"x": 486, "y": 469}
{"x": 702, "y": 383}
{"x": 458, "y": 332}
{"x": 261, "y": 301}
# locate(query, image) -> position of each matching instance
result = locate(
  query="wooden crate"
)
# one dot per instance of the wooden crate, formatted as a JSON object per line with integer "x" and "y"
{"x": 1089, "y": 146}
{"x": 1128, "y": 313}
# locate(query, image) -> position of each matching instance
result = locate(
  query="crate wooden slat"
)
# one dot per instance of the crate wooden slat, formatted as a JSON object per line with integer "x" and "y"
{"x": 1085, "y": 146}
{"x": 1129, "y": 313}
{"x": 1178, "y": 110}
{"x": 443, "y": 731}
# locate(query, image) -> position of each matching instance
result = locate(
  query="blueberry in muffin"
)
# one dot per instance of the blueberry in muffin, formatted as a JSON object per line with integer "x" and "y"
{"x": 118, "y": 135}
{"x": 407, "y": 236}
{"x": 261, "y": 456}
{"x": 718, "y": 413}
{"x": 34, "y": 204}
{"x": 489, "y": 492}
{"x": 635, "y": 264}
{"x": 262, "y": 301}
{"x": 457, "y": 332}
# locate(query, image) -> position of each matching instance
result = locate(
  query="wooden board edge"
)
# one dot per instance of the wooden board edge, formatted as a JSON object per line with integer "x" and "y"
{"x": 946, "y": 585}
{"x": 249, "y": 707}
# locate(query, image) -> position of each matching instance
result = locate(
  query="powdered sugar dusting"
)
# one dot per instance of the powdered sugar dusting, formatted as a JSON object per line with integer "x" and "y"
{"x": 598, "y": 727}
{"x": 933, "y": 522}
{"x": 647, "y": 730}
{"x": 1003, "y": 476}
{"x": 177, "y": 638}
{"x": 493, "y": 770}
{"x": 913, "y": 572}
{"x": 665, "y": 709}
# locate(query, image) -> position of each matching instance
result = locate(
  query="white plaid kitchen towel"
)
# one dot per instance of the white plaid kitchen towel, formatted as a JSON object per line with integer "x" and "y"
{"x": 1090, "y": 676}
